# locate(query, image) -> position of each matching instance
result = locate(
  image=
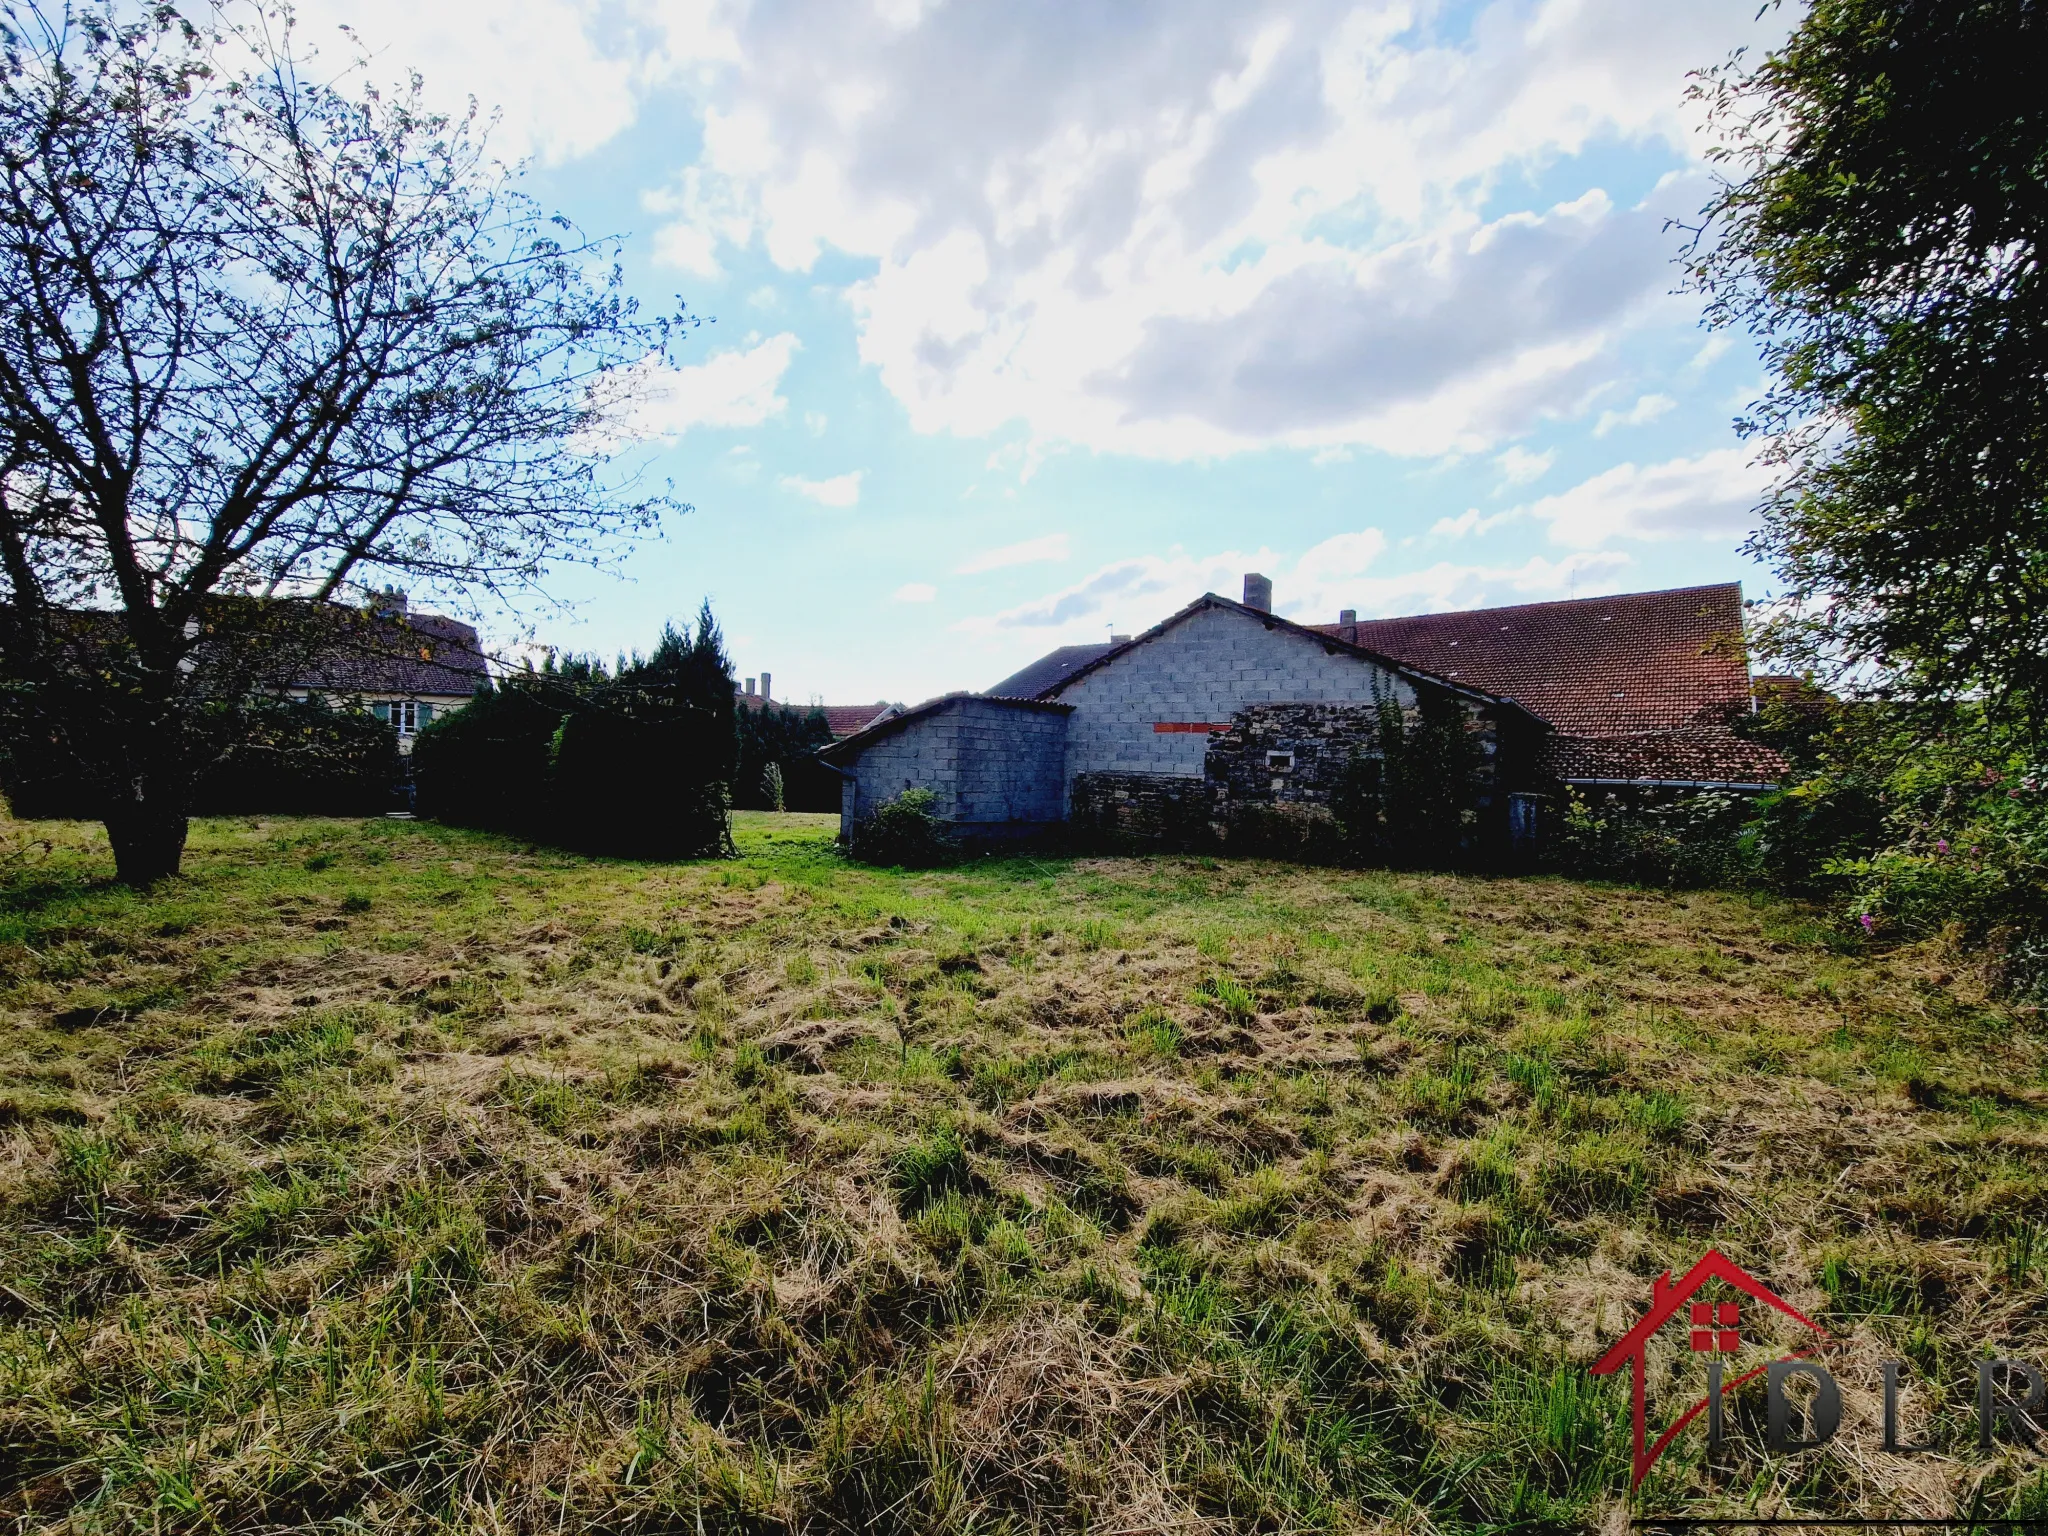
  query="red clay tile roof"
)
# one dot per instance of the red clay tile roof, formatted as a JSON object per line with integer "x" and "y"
{"x": 1709, "y": 754}
{"x": 1593, "y": 666}
{"x": 843, "y": 719}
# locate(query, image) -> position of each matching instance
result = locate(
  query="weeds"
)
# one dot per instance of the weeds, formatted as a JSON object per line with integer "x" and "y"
{"x": 780, "y": 1194}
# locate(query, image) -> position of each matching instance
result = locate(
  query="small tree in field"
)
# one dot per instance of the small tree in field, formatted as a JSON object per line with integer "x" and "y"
{"x": 263, "y": 343}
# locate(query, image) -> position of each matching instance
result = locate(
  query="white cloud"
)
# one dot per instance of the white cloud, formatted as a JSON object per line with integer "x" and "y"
{"x": 839, "y": 491}
{"x": 1518, "y": 466}
{"x": 689, "y": 248}
{"x": 1711, "y": 496}
{"x": 1190, "y": 227}
{"x": 565, "y": 75}
{"x": 1470, "y": 522}
{"x": 1647, "y": 409}
{"x": 1053, "y": 546}
{"x": 1710, "y": 350}
{"x": 1135, "y": 594}
{"x": 650, "y": 399}
{"x": 1337, "y": 573}
{"x": 1346, "y": 554}
{"x": 915, "y": 592}
{"x": 1177, "y": 228}
{"x": 1447, "y": 586}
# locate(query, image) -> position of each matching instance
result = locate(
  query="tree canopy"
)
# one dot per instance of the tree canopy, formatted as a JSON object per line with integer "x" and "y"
{"x": 1880, "y": 229}
{"x": 268, "y": 339}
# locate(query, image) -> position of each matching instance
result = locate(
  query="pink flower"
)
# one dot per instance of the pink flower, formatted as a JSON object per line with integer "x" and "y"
{"x": 1941, "y": 845}
{"x": 1869, "y": 923}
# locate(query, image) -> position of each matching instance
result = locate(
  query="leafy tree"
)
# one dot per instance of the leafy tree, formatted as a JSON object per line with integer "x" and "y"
{"x": 263, "y": 343}
{"x": 1880, "y": 228}
{"x": 645, "y": 768}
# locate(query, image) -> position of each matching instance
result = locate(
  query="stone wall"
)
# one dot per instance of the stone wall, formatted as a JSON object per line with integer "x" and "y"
{"x": 1277, "y": 754}
{"x": 994, "y": 767}
{"x": 1131, "y": 811}
{"x": 1199, "y": 674}
{"x": 1274, "y": 777}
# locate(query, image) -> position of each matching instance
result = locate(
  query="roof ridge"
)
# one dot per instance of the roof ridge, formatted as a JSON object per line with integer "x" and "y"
{"x": 1551, "y": 602}
{"x": 1306, "y": 631}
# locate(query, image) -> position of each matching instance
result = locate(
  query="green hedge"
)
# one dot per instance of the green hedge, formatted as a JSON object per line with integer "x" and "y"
{"x": 636, "y": 762}
{"x": 282, "y": 757}
{"x": 486, "y": 765}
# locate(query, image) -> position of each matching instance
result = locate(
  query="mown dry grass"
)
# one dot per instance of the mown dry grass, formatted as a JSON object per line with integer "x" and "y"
{"x": 379, "y": 1175}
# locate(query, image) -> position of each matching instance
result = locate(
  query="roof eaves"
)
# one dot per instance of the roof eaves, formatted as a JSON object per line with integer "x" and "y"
{"x": 895, "y": 721}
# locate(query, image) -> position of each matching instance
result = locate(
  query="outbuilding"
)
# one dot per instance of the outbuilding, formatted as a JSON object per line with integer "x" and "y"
{"x": 1120, "y": 742}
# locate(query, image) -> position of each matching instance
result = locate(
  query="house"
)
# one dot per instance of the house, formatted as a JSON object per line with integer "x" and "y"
{"x": 1134, "y": 739}
{"x": 1226, "y": 715}
{"x": 1639, "y": 690}
{"x": 402, "y": 667}
{"x": 841, "y": 719}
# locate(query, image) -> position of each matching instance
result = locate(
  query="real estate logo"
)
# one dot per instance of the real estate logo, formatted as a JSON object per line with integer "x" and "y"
{"x": 1714, "y": 1324}
{"x": 1713, "y": 1329}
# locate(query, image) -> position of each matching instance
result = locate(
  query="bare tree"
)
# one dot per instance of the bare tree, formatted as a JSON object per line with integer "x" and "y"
{"x": 264, "y": 341}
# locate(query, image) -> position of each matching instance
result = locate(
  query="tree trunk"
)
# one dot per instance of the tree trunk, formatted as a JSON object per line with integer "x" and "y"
{"x": 149, "y": 840}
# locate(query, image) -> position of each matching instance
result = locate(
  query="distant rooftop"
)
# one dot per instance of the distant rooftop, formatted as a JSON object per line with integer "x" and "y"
{"x": 1050, "y": 670}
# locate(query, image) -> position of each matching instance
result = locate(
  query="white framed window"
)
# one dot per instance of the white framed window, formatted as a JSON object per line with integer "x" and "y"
{"x": 1280, "y": 762}
{"x": 407, "y": 714}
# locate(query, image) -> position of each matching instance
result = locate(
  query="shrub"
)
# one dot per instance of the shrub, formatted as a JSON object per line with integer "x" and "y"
{"x": 629, "y": 785}
{"x": 1699, "y": 840}
{"x": 282, "y": 756}
{"x": 904, "y": 831}
{"x": 486, "y": 765}
{"x": 1915, "y": 822}
{"x": 1412, "y": 803}
{"x": 786, "y": 740}
{"x": 637, "y": 765}
{"x": 1969, "y": 856}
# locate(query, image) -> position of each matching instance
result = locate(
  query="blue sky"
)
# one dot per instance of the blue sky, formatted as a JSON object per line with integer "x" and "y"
{"x": 1032, "y": 322}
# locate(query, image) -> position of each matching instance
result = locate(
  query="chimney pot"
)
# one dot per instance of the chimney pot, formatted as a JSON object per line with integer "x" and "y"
{"x": 764, "y": 686}
{"x": 750, "y": 687}
{"x": 1258, "y": 591}
{"x": 1347, "y": 616}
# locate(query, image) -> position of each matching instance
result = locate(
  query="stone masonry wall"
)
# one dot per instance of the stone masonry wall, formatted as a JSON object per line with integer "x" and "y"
{"x": 1283, "y": 753}
{"x": 1125, "y": 811}
{"x": 1201, "y": 672}
{"x": 1290, "y": 758}
{"x": 991, "y": 766}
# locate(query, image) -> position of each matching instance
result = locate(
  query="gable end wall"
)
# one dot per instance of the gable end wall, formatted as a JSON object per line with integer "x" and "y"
{"x": 1204, "y": 669}
{"x": 990, "y": 766}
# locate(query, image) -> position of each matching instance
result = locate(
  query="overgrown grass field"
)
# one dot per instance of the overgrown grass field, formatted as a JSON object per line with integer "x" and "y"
{"x": 382, "y": 1176}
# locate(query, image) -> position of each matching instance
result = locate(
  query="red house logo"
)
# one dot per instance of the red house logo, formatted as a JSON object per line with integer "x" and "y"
{"x": 1713, "y": 1328}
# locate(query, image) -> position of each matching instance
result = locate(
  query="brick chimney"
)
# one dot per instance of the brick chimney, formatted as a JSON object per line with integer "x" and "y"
{"x": 1258, "y": 591}
{"x": 750, "y": 687}
{"x": 764, "y": 687}
{"x": 1347, "y": 616}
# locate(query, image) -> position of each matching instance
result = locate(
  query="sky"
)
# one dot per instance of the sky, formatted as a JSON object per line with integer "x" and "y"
{"x": 1027, "y": 324}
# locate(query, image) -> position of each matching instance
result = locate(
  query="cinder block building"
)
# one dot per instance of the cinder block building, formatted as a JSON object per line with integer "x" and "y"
{"x": 1226, "y": 716}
